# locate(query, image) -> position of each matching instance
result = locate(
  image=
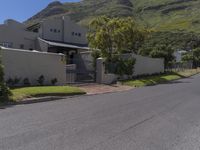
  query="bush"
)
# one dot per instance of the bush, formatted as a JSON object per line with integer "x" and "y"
{"x": 10, "y": 82}
{"x": 121, "y": 66}
{"x": 41, "y": 80}
{"x": 13, "y": 82}
{"x": 26, "y": 82}
{"x": 4, "y": 90}
{"x": 16, "y": 81}
{"x": 54, "y": 81}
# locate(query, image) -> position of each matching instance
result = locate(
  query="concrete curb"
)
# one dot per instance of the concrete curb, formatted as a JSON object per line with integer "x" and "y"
{"x": 38, "y": 100}
{"x": 56, "y": 98}
{"x": 52, "y": 98}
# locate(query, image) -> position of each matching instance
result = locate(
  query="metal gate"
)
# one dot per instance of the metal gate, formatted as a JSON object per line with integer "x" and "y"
{"x": 80, "y": 72}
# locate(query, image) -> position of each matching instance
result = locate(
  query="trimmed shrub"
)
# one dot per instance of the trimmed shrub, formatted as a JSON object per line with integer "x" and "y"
{"x": 26, "y": 82}
{"x": 54, "y": 81}
{"x": 41, "y": 80}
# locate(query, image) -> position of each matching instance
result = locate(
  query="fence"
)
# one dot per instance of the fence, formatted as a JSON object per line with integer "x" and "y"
{"x": 181, "y": 66}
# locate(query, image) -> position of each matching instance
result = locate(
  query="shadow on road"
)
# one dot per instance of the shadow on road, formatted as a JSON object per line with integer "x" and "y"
{"x": 176, "y": 82}
{"x": 4, "y": 106}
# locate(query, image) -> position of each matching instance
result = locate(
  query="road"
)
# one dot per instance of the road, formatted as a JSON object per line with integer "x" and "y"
{"x": 162, "y": 117}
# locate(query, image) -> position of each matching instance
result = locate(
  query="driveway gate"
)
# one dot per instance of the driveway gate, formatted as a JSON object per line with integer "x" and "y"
{"x": 80, "y": 72}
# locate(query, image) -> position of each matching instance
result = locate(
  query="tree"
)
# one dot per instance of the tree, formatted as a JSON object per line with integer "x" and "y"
{"x": 187, "y": 57}
{"x": 160, "y": 51}
{"x": 196, "y": 57}
{"x": 193, "y": 56}
{"x": 4, "y": 91}
{"x": 115, "y": 36}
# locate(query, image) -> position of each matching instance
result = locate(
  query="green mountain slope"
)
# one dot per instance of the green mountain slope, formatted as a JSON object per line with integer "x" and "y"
{"x": 169, "y": 14}
{"x": 161, "y": 15}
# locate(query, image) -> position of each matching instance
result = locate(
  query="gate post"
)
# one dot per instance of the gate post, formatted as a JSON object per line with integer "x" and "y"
{"x": 99, "y": 70}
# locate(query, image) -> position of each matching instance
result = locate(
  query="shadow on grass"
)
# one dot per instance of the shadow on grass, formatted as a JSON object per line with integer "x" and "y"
{"x": 175, "y": 82}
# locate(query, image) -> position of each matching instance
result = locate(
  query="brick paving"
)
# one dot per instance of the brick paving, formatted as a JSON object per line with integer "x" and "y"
{"x": 91, "y": 89}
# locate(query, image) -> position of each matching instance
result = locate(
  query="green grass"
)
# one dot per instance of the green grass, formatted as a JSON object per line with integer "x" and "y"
{"x": 156, "y": 79}
{"x": 27, "y": 92}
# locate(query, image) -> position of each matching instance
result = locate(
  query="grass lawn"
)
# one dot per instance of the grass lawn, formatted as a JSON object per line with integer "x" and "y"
{"x": 27, "y": 92}
{"x": 156, "y": 79}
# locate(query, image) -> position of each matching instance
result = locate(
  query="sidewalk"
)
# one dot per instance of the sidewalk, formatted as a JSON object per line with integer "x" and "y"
{"x": 94, "y": 88}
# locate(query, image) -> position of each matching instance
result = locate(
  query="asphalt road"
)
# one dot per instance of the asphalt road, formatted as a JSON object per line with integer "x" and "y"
{"x": 162, "y": 117}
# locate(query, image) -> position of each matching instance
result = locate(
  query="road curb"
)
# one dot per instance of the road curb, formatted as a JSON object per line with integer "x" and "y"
{"x": 52, "y": 98}
{"x": 38, "y": 100}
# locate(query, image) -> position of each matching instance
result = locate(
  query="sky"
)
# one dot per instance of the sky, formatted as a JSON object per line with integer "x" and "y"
{"x": 21, "y": 10}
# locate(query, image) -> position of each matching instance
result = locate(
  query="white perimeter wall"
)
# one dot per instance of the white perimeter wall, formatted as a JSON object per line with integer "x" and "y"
{"x": 143, "y": 66}
{"x": 31, "y": 65}
{"x": 147, "y": 65}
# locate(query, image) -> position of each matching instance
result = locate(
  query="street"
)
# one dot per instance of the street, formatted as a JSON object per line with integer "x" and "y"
{"x": 161, "y": 117}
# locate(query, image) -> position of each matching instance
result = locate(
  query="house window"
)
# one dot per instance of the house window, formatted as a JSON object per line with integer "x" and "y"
{"x": 6, "y": 44}
{"x": 73, "y": 33}
{"x": 76, "y": 34}
{"x": 21, "y": 46}
{"x": 79, "y": 34}
{"x": 55, "y": 30}
{"x": 58, "y": 31}
{"x": 51, "y": 30}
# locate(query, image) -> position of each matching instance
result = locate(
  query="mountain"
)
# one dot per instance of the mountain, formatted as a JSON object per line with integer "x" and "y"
{"x": 161, "y": 15}
{"x": 85, "y": 10}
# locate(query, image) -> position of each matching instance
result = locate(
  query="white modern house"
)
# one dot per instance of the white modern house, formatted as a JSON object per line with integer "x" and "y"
{"x": 57, "y": 35}
{"x": 41, "y": 48}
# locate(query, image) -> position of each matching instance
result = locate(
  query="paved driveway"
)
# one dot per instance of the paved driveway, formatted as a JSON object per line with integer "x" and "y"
{"x": 163, "y": 117}
{"x": 92, "y": 89}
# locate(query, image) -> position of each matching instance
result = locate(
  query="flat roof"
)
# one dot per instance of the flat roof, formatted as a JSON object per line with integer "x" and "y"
{"x": 63, "y": 45}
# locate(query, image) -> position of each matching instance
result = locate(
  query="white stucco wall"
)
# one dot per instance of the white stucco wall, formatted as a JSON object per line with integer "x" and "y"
{"x": 143, "y": 66}
{"x": 65, "y": 31}
{"x": 69, "y": 27}
{"x": 147, "y": 65}
{"x": 29, "y": 64}
{"x": 15, "y": 33}
{"x": 42, "y": 45}
{"x": 48, "y": 27}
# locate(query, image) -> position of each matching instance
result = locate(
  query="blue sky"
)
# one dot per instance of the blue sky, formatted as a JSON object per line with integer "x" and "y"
{"x": 23, "y": 9}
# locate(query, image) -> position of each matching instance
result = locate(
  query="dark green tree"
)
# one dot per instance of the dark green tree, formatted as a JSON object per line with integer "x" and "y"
{"x": 193, "y": 56}
{"x": 159, "y": 51}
